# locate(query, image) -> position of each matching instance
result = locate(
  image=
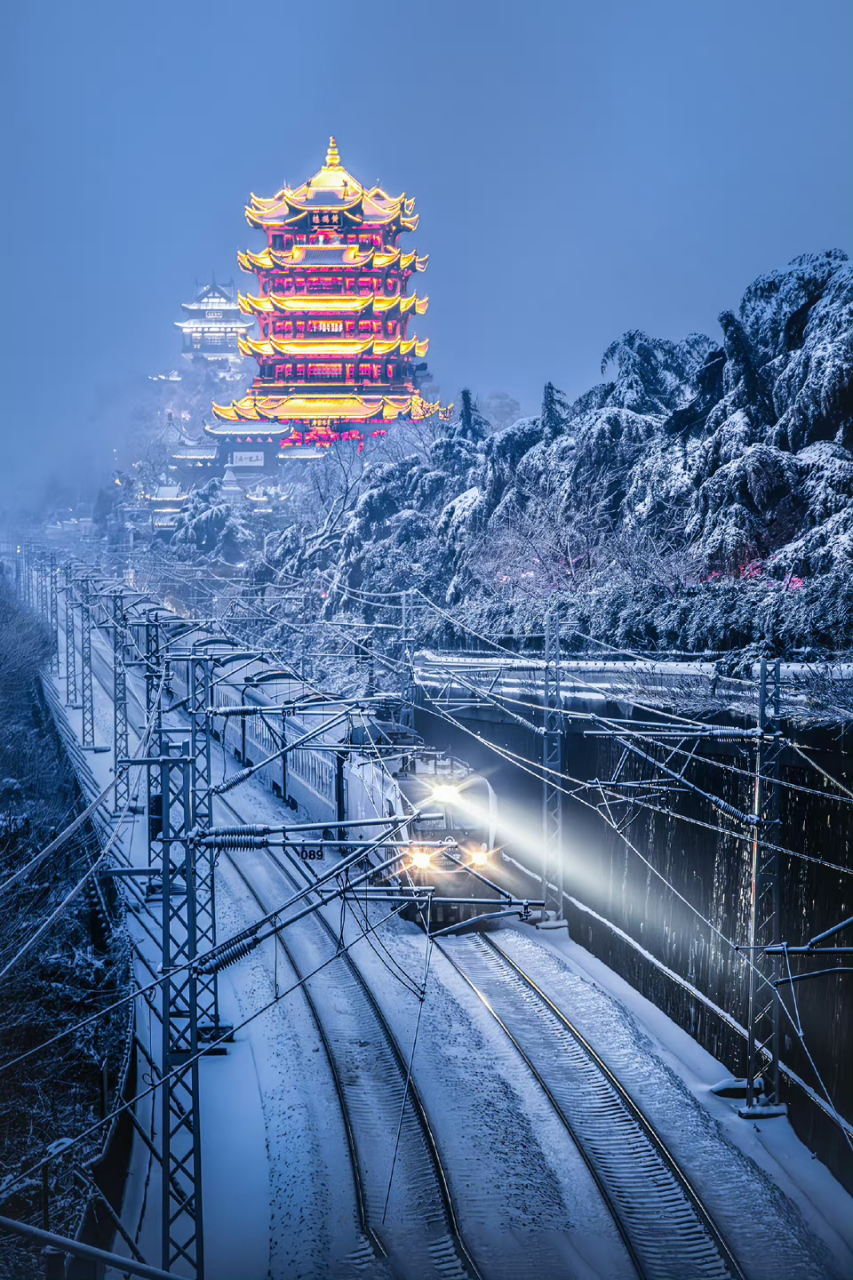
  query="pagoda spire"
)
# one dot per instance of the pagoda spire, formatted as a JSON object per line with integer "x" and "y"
{"x": 333, "y": 159}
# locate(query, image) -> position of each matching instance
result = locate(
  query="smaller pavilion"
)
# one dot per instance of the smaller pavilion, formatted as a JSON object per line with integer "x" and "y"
{"x": 213, "y": 326}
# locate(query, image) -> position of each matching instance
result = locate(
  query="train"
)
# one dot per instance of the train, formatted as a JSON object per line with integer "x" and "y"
{"x": 357, "y": 764}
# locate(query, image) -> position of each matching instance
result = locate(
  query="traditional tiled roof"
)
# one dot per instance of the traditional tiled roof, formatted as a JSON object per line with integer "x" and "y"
{"x": 332, "y": 188}
{"x": 292, "y": 408}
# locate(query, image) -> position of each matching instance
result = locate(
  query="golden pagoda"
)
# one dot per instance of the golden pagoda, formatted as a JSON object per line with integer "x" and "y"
{"x": 335, "y": 361}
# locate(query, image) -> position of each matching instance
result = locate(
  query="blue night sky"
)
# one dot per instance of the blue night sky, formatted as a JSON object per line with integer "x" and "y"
{"x": 580, "y": 169}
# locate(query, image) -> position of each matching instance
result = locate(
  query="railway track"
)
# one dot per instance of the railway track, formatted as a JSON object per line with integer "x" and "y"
{"x": 419, "y": 1234}
{"x": 667, "y": 1230}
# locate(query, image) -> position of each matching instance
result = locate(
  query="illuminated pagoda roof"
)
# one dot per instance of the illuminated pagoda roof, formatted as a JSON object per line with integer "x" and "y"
{"x": 335, "y": 361}
{"x": 331, "y": 348}
{"x": 331, "y": 256}
{"x": 332, "y": 189}
{"x": 334, "y": 304}
{"x": 270, "y": 409}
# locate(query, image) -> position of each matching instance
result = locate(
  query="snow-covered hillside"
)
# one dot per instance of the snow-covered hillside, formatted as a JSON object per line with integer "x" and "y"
{"x": 699, "y": 497}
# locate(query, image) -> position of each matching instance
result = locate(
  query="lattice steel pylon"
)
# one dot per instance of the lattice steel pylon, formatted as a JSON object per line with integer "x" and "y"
{"x": 199, "y": 680}
{"x": 70, "y": 643}
{"x": 183, "y": 1237}
{"x": 153, "y": 707}
{"x": 765, "y": 895}
{"x": 121, "y": 741}
{"x": 86, "y": 691}
{"x": 552, "y": 760}
{"x": 41, "y": 593}
{"x": 53, "y": 617}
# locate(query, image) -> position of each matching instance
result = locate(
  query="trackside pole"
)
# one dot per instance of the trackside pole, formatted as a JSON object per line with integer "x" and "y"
{"x": 552, "y": 798}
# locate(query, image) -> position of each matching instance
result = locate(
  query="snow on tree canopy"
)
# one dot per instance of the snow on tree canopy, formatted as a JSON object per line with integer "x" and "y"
{"x": 642, "y": 502}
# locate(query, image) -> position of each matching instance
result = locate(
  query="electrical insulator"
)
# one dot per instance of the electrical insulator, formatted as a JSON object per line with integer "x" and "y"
{"x": 246, "y": 829}
{"x": 228, "y": 955}
{"x": 230, "y": 783}
{"x": 237, "y": 840}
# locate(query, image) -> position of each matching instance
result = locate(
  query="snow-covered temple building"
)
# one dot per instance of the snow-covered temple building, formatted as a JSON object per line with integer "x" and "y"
{"x": 213, "y": 325}
{"x": 335, "y": 359}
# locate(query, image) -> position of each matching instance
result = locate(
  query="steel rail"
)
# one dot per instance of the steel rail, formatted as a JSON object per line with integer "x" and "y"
{"x": 369, "y": 1230}
{"x": 366, "y": 1226}
{"x": 423, "y": 1120}
{"x": 441, "y": 1177}
{"x": 625, "y": 1220}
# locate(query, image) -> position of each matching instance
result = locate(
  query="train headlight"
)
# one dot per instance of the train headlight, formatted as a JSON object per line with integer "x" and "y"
{"x": 421, "y": 858}
{"x": 480, "y": 856}
{"x": 445, "y": 794}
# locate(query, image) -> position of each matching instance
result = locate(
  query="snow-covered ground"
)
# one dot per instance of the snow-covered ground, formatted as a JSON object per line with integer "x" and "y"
{"x": 782, "y": 1211}
{"x": 278, "y": 1188}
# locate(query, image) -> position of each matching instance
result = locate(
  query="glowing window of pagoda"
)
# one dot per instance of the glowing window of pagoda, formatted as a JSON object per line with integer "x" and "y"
{"x": 325, "y": 370}
{"x": 350, "y": 284}
{"x": 365, "y": 326}
{"x": 300, "y": 326}
{"x": 325, "y": 326}
{"x": 288, "y": 370}
{"x": 390, "y": 369}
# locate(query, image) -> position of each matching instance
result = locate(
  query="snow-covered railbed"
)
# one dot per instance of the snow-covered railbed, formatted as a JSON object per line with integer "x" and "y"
{"x": 410, "y": 1217}
{"x": 664, "y": 1225}
{"x": 273, "y": 1078}
{"x": 526, "y": 1202}
{"x": 782, "y": 1214}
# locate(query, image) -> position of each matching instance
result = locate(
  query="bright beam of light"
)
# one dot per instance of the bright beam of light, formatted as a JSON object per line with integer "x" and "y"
{"x": 522, "y": 832}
